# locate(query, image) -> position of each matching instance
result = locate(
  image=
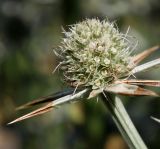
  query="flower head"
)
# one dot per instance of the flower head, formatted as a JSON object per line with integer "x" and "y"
{"x": 94, "y": 53}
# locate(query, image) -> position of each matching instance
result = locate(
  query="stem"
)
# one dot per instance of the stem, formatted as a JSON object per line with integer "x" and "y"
{"x": 123, "y": 121}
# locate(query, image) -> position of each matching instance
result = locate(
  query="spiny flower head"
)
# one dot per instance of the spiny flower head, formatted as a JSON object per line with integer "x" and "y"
{"x": 94, "y": 53}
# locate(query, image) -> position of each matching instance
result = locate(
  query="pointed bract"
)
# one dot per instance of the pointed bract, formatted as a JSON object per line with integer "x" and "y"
{"x": 156, "y": 119}
{"x": 138, "y": 58}
{"x": 155, "y": 83}
{"x": 46, "y": 99}
{"x": 127, "y": 89}
{"x": 39, "y": 111}
{"x": 64, "y": 99}
{"x": 146, "y": 66}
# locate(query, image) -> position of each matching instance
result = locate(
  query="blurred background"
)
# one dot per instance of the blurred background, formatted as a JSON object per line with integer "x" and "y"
{"x": 29, "y": 32}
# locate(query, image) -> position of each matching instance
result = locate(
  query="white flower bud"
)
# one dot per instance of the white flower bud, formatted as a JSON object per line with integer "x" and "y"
{"x": 107, "y": 61}
{"x": 100, "y": 48}
{"x": 113, "y": 50}
{"x": 92, "y": 45}
{"x": 97, "y": 59}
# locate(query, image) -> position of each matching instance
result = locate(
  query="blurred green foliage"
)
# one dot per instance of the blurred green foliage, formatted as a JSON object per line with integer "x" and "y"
{"x": 29, "y": 32}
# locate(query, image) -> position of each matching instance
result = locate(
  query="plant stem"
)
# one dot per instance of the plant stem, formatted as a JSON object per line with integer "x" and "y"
{"x": 123, "y": 121}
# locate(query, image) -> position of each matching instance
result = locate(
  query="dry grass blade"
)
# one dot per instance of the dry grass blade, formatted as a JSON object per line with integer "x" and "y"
{"x": 132, "y": 90}
{"x": 155, "y": 83}
{"x": 138, "y": 58}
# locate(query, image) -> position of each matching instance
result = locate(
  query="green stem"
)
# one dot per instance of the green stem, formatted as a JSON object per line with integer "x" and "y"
{"x": 123, "y": 121}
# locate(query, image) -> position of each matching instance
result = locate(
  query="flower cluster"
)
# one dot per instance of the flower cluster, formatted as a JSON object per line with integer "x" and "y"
{"x": 94, "y": 53}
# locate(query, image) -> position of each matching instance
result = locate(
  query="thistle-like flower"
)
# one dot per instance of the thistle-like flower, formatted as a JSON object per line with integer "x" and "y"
{"x": 96, "y": 57}
{"x": 95, "y": 54}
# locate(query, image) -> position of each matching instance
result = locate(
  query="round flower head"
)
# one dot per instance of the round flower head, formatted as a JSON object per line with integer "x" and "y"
{"x": 94, "y": 53}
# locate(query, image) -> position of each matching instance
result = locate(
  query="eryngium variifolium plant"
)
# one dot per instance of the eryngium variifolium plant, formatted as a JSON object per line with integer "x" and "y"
{"x": 96, "y": 58}
{"x": 94, "y": 53}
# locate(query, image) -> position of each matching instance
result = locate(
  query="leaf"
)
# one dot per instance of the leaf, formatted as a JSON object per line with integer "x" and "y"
{"x": 138, "y": 58}
{"x": 127, "y": 89}
{"x": 155, "y": 83}
{"x": 147, "y": 66}
{"x": 65, "y": 99}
